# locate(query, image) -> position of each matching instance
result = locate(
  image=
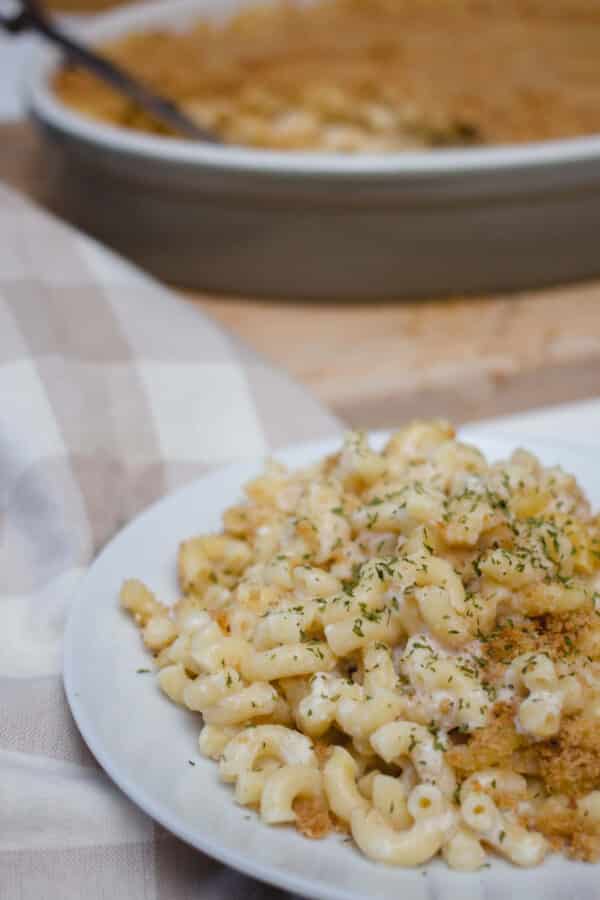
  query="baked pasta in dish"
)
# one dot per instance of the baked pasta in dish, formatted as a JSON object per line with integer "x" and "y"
{"x": 367, "y": 76}
{"x": 403, "y": 645}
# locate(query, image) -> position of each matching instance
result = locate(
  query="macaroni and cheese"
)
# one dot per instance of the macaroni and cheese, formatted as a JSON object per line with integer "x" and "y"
{"x": 366, "y": 76}
{"x": 402, "y": 645}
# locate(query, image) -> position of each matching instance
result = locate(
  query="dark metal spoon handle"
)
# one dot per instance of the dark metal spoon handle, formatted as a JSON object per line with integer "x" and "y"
{"x": 31, "y": 18}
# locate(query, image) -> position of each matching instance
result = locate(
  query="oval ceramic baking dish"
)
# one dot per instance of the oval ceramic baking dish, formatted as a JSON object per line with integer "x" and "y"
{"x": 319, "y": 225}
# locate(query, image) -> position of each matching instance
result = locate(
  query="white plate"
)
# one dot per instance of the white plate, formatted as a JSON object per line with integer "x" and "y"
{"x": 144, "y": 742}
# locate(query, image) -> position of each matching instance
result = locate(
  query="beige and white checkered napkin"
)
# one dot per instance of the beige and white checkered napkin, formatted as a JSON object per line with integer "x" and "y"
{"x": 112, "y": 392}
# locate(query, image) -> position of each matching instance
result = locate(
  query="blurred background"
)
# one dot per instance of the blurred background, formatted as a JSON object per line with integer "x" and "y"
{"x": 81, "y": 6}
{"x": 373, "y": 362}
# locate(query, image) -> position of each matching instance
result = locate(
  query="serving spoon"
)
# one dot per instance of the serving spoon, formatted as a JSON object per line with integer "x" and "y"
{"x": 29, "y": 16}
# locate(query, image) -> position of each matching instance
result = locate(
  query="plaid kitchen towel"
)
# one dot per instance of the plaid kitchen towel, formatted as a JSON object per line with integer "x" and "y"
{"x": 112, "y": 392}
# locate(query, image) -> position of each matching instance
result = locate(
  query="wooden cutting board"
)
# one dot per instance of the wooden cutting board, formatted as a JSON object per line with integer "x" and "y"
{"x": 376, "y": 364}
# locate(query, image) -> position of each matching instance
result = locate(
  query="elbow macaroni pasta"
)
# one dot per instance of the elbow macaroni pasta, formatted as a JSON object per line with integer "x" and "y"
{"x": 403, "y": 644}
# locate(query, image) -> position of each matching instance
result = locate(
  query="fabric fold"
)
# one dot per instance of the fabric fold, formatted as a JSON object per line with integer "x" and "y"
{"x": 113, "y": 392}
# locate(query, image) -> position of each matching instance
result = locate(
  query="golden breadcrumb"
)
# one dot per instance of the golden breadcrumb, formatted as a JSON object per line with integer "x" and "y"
{"x": 570, "y": 763}
{"x": 557, "y": 635}
{"x": 509, "y": 640}
{"x": 567, "y": 830}
{"x": 584, "y": 846}
{"x": 492, "y": 745}
{"x": 312, "y": 817}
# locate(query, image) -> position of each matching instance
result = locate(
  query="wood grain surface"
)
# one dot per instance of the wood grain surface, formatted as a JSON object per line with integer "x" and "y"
{"x": 378, "y": 363}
